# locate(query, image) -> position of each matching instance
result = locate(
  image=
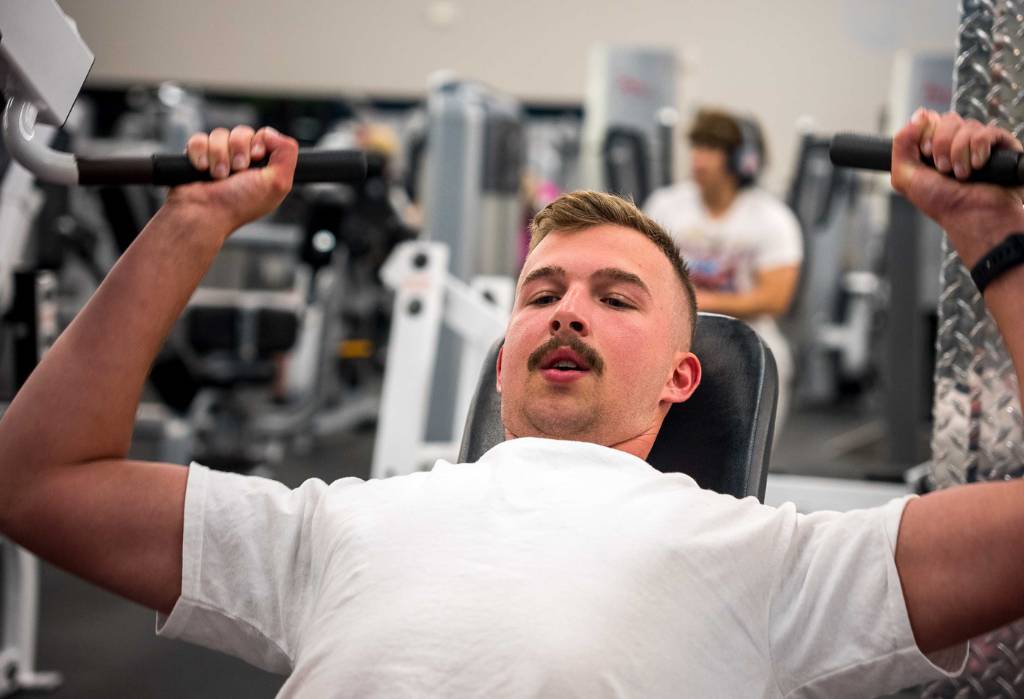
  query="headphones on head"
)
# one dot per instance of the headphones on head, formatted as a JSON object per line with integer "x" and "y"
{"x": 746, "y": 160}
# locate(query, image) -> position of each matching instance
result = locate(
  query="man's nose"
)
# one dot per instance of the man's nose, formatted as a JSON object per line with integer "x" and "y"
{"x": 569, "y": 316}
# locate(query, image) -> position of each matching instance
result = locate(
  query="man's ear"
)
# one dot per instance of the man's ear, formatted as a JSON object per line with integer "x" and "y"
{"x": 683, "y": 380}
{"x": 497, "y": 368}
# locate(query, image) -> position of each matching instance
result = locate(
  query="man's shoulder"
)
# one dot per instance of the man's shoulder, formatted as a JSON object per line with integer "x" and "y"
{"x": 767, "y": 207}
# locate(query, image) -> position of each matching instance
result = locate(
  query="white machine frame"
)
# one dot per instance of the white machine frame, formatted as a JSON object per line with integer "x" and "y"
{"x": 428, "y": 296}
{"x": 20, "y": 618}
{"x": 43, "y": 65}
{"x": 20, "y": 201}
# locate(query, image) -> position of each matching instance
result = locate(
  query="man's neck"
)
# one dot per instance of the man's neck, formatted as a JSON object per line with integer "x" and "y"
{"x": 717, "y": 200}
{"x": 639, "y": 446}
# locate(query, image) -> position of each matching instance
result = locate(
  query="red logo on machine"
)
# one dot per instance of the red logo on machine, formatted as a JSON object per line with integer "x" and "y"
{"x": 633, "y": 86}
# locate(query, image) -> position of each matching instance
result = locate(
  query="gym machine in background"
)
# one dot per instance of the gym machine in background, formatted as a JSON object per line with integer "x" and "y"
{"x": 29, "y": 307}
{"x": 913, "y": 260}
{"x": 863, "y": 321}
{"x": 468, "y": 174}
{"x": 831, "y": 320}
{"x": 629, "y": 120}
{"x": 429, "y": 300}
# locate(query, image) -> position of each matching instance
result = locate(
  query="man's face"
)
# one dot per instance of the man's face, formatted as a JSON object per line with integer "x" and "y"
{"x": 597, "y": 348}
{"x": 709, "y": 168}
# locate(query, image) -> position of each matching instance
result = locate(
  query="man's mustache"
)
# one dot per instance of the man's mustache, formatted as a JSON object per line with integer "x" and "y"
{"x": 585, "y": 351}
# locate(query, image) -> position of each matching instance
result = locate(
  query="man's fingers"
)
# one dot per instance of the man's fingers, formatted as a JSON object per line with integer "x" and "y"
{"x": 220, "y": 163}
{"x": 931, "y": 121}
{"x": 270, "y": 137}
{"x": 981, "y": 145}
{"x": 960, "y": 148}
{"x": 239, "y": 145}
{"x": 1004, "y": 139}
{"x": 906, "y": 150}
{"x": 223, "y": 152}
{"x": 258, "y": 148}
{"x": 984, "y": 139}
{"x": 284, "y": 153}
{"x": 197, "y": 151}
{"x": 942, "y": 141}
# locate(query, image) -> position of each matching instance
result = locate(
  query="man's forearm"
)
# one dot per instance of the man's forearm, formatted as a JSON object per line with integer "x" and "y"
{"x": 79, "y": 404}
{"x": 744, "y": 305}
{"x": 771, "y": 295}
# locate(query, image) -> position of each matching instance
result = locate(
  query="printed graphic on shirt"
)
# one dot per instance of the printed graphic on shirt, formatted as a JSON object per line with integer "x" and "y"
{"x": 726, "y": 252}
{"x": 714, "y": 266}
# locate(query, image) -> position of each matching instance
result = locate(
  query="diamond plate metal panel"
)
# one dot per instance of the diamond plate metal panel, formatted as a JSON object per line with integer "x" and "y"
{"x": 977, "y": 427}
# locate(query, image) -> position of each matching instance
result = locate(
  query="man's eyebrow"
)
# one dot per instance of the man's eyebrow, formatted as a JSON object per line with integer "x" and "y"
{"x": 615, "y": 274}
{"x": 549, "y": 272}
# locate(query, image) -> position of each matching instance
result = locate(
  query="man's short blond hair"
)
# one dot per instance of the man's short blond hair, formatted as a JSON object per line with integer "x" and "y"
{"x": 585, "y": 209}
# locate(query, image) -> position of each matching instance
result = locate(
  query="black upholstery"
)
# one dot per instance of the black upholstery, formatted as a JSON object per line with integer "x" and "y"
{"x": 722, "y": 436}
{"x": 217, "y": 329}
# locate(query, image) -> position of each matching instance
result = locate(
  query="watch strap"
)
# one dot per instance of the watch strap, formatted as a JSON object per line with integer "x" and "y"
{"x": 1007, "y": 255}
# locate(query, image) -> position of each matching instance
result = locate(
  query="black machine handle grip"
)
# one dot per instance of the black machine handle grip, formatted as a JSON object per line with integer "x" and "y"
{"x": 1004, "y": 167}
{"x": 348, "y": 166}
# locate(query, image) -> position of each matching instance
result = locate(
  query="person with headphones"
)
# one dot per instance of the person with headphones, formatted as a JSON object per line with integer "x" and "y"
{"x": 743, "y": 245}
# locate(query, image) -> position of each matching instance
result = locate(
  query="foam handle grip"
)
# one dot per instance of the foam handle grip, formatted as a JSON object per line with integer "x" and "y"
{"x": 1004, "y": 167}
{"x": 169, "y": 170}
{"x": 312, "y": 166}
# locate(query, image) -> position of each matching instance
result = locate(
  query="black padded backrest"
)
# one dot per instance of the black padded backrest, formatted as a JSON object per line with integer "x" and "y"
{"x": 722, "y": 436}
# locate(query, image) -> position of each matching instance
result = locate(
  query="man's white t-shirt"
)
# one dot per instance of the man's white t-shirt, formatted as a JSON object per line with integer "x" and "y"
{"x": 548, "y": 568}
{"x": 726, "y": 253}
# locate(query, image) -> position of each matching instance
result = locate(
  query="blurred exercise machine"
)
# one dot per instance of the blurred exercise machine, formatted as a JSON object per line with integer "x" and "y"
{"x": 452, "y": 296}
{"x": 863, "y": 323}
{"x": 256, "y": 342}
{"x": 832, "y": 319}
{"x": 429, "y": 299}
{"x": 629, "y": 120}
{"x": 28, "y": 304}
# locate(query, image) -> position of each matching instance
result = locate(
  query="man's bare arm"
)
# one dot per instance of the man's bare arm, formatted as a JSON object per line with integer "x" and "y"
{"x": 959, "y": 554}
{"x": 772, "y": 293}
{"x": 67, "y": 492}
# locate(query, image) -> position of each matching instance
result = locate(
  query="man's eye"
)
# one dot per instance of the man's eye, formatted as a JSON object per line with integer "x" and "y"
{"x": 543, "y": 300}
{"x": 616, "y": 302}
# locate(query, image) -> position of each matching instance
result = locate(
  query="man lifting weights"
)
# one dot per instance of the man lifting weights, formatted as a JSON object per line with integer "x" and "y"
{"x": 560, "y": 564}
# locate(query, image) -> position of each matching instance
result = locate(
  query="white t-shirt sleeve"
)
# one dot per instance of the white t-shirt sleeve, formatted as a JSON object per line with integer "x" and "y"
{"x": 246, "y": 566}
{"x": 838, "y": 621}
{"x": 782, "y": 244}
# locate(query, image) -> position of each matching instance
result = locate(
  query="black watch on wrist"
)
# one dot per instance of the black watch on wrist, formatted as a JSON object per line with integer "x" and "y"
{"x": 1007, "y": 255}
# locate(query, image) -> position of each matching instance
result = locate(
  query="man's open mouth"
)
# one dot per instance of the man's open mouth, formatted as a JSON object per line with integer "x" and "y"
{"x": 564, "y": 359}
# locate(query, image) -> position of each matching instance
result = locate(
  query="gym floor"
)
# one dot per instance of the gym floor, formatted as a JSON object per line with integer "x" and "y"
{"x": 106, "y": 647}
